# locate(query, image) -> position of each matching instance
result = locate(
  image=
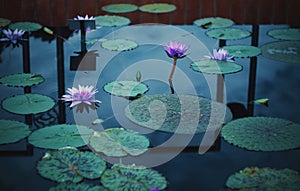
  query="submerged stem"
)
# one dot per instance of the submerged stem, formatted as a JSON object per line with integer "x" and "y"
{"x": 173, "y": 69}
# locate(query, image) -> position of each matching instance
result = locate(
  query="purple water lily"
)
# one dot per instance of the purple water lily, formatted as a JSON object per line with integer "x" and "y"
{"x": 221, "y": 54}
{"x": 84, "y": 18}
{"x": 83, "y": 94}
{"x": 13, "y": 37}
{"x": 176, "y": 49}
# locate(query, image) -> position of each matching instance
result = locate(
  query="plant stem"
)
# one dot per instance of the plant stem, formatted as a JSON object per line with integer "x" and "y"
{"x": 173, "y": 69}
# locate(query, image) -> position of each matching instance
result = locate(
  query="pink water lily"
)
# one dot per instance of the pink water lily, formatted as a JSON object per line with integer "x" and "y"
{"x": 84, "y": 18}
{"x": 176, "y": 49}
{"x": 12, "y": 36}
{"x": 221, "y": 54}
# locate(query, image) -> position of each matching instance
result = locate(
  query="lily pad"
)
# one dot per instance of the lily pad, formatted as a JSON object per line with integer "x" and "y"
{"x": 70, "y": 165}
{"x": 118, "y": 142}
{"x": 211, "y": 66}
{"x": 213, "y": 22}
{"x": 163, "y": 112}
{"x": 111, "y": 21}
{"x": 133, "y": 178}
{"x": 158, "y": 8}
{"x": 22, "y": 80}
{"x": 28, "y": 104}
{"x": 12, "y": 131}
{"x": 242, "y": 51}
{"x": 4, "y": 22}
{"x": 57, "y": 136}
{"x": 285, "y": 34}
{"x": 119, "y": 45}
{"x": 77, "y": 187}
{"x": 26, "y": 26}
{"x": 283, "y": 51}
{"x": 262, "y": 134}
{"x": 254, "y": 178}
{"x": 125, "y": 88}
{"x": 120, "y": 8}
{"x": 228, "y": 33}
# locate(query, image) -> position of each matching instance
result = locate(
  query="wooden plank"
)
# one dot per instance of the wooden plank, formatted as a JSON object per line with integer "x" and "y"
{"x": 280, "y": 11}
{"x": 28, "y": 10}
{"x": 43, "y": 13}
{"x": 237, "y": 13}
{"x": 73, "y": 8}
{"x": 191, "y": 11}
{"x": 264, "y": 12}
{"x": 59, "y": 15}
{"x": 223, "y": 8}
{"x": 251, "y": 12}
{"x": 207, "y": 8}
{"x": 89, "y": 7}
{"x": 293, "y": 17}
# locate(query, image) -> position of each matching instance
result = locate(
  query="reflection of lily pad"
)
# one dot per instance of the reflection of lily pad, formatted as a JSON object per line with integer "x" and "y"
{"x": 12, "y": 131}
{"x": 254, "y": 178}
{"x": 285, "y": 34}
{"x": 211, "y": 66}
{"x": 125, "y": 88}
{"x": 262, "y": 134}
{"x": 283, "y": 51}
{"x": 65, "y": 186}
{"x": 117, "y": 142}
{"x": 57, "y": 136}
{"x": 28, "y": 104}
{"x": 158, "y": 8}
{"x": 71, "y": 165}
{"x": 213, "y": 22}
{"x": 120, "y": 8}
{"x": 4, "y": 22}
{"x": 133, "y": 178}
{"x": 119, "y": 45}
{"x": 22, "y": 80}
{"x": 26, "y": 26}
{"x": 166, "y": 112}
{"x": 111, "y": 20}
{"x": 242, "y": 51}
{"x": 228, "y": 33}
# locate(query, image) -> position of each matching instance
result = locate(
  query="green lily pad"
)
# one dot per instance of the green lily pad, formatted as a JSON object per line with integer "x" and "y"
{"x": 26, "y": 26}
{"x": 65, "y": 186}
{"x": 28, "y": 104}
{"x": 22, "y": 80}
{"x": 228, "y": 33}
{"x": 158, "y": 8}
{"x": 120, "y": 8}
{"x": 133, "y": 178}
{"x": 254, "y": 178}
{"x": 125, "y": 88}
{"x": 213, "y": 22}
{"x": 111, "y": 21}
{"x": 57, "y": 136}
{"x": 211, "y": 66}
{"x": 118, "y": 142}
{"x": 262, "y": 134}
{"x": 283, "y": 51}
{"x": 4, "y": 22}
{"x": 119, "y": 45}
{"x": 242, "y": 51}
{"x": 163, "y": 112}
{"x": 285, "y": 34}
{"x": 12, "y": 131}
{"x": 70, "y": 165}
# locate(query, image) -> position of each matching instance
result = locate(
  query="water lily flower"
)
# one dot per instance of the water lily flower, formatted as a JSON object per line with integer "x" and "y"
{"x": 84, "y": 18}
{"x": 176, "y": 49}
{"x": 83, "y": 94}
{"x": 221, "y": 54}
{"x": 12, "y": 36}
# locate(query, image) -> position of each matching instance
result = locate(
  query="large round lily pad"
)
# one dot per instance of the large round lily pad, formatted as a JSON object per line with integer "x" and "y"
{"x": 22, "y": 80}
{"x": 213, "y": 22}
{"x": 158, "y": 8}
{"x": 65, "y": 186}
{"x": 133, "y": 178}
{"x": 119, "y": 45}
{"x": 57, "y": 136}
{"x": 12, "y": 131}
{"x": 120, "y": 8}
{"x": 163, "y": 112}
{"x": 242, "y": 51}
{"x": 285, "y": 34}
{"x": 125, "y": 88}
{"x": 26, "y": 26}
{"x": 211, "y": 66}
{"x": 254, "y": 178}
{"x": 71, "y": 165}
{"x": 28, "y": 104}
{"x": 283, "y": 51}
{"x": 111, "y": 20}
{"x": 118, "y": 142}
{"x": 262, "y": 134}
{"x": 228, "y": 33}
{"x": 4, "y": 22}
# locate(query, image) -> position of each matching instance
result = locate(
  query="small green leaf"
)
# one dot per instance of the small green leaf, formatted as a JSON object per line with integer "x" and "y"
{"x": 22, "y": 80}
{"x": 125, "y": 88}
{"x": 158, "y": 8}
{"x": 120, "y": 8}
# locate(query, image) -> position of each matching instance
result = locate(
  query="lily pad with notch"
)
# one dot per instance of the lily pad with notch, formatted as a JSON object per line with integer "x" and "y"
{"x": 12, "y": 131}
{"x": 120, "y": 8}
{"x": 228, "y": 33}
{"x": 285, "y": 34}
{"x": 125, "y": 88}
{"x": 157, "y": 8}
{"x": 111, "y": 21}
{"x": 242, "y": 51}
{"x": 213, "y": 22}
{"x": 26, "y": 26}
{"x": 22, "y": 80}
{"x": 210, "y": 66}
{"x": 119, "y": 45}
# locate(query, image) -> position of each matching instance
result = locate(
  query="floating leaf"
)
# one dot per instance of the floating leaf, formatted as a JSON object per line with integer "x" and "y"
{"x": 213, "y": 22}
{"x": 120, "y": 8}
{"x": 283, "y": 51}
{"x": 119, "y": 44}
{"x": 263, "y": 101}
{"x": 242, "y": 51}
{"x": 285, "y": 34}
{"x": 118, "y": 142}
{"x": 211, "y": 66}
{"x": 254, "y": 178}
{"x": 28, "y": 104}
{"x": 26, "y": 26}
{"x": 138, "y": 76}
{"x": 228, "y": 33}
{"x": 262, "y": 133}
{"x": 71, "y": 165}
{"x": 111, "y": 20}
{"x": 97, "y": 121}
{"x": 4, "y": 22}
{"x": 65, "y": 186}
{"x": 57, "y": 136}
{"x": 133, "y": 178}
{"x": 158, "y": 8}
{"x": 22, "y": 80}
{"x": 12, "y": 131}
{"x": 125, "y": 88}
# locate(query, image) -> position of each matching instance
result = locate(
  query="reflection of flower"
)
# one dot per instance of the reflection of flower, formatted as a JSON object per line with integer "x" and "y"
{"x": 12, "y": 36}
{"x": 221, "y": 54}
{"x": 84, "y": 18}
{"x": 83, "y": 94}
{"x": 154, "y": 189}
{"x": 176, "y": 49}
